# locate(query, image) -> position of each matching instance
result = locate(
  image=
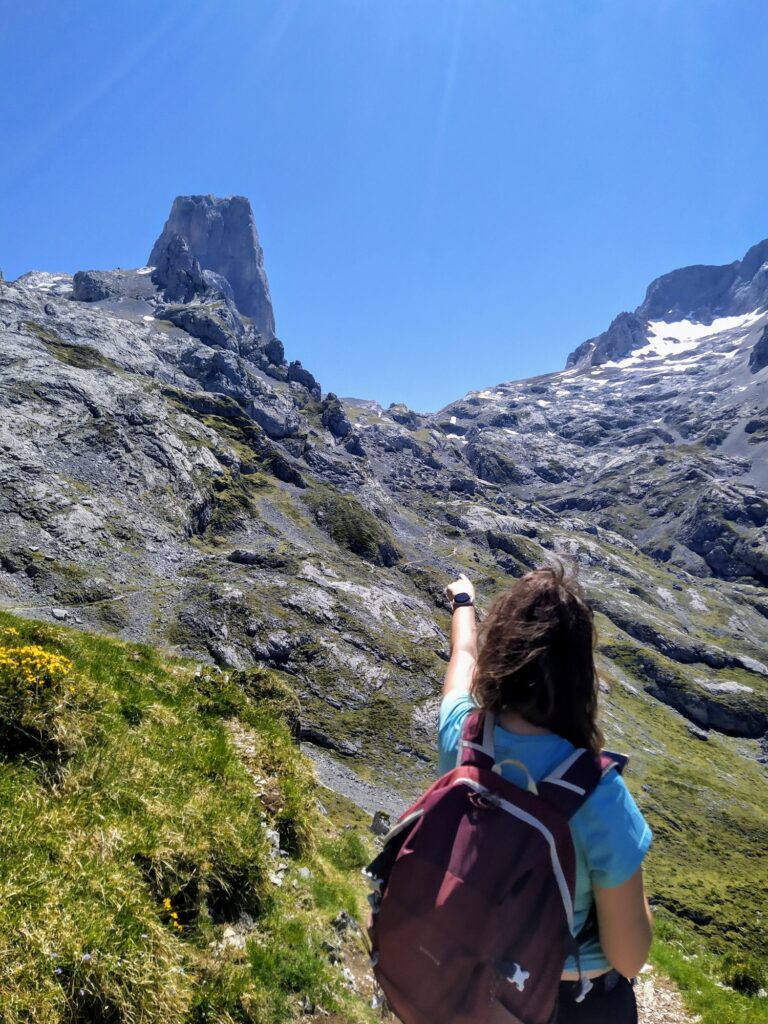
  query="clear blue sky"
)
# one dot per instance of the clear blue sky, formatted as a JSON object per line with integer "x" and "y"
{"x": 450, "y": 193}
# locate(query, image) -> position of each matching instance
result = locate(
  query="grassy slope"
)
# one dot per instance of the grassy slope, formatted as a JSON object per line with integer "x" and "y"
{"x": 706, "y": 868}
{"x": 117, "y": 849}
{"x": 154, "y": 802}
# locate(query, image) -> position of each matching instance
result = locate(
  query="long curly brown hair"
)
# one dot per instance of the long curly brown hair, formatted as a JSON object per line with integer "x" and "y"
{"x": 535, "y": 657}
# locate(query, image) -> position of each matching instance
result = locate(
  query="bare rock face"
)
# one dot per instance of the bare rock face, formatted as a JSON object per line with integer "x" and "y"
{"x": 176, "y": 271}
{"x": 221, "y": 236}
{"x": 100, "y": 285}
{"x": 627, "y": 333}
{"x": 703, "y": 293}
{"x": 758, "y": 358}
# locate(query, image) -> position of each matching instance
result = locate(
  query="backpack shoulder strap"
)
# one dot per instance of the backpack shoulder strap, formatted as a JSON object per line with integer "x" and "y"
{"x": 569, "y": 784}
{"x": 476, "y": 747}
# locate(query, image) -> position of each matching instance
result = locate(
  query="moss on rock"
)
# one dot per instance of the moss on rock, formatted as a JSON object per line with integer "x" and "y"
{"x": 351, "y": 526}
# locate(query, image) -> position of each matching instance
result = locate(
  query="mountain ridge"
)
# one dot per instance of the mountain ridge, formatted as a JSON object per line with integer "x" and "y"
{"x": 700, "y": 293}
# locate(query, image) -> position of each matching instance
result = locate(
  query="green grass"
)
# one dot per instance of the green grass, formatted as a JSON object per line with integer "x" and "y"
{"x": 698, "y": 974}
{"x": 351, "y": 526}
{"x": 119, "y": 872}
{"x": 232, "y": 502}
{"x": 705, "y": 872}
{"x": 81, "y": 357}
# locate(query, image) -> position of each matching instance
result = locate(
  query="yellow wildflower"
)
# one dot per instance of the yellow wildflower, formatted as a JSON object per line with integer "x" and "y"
{"x": 33, "y": 666}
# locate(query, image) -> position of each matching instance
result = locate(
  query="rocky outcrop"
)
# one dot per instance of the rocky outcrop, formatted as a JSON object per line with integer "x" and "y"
{"x": 100, "y": 285}
{"x": 334, "y": 418}
{"x": 716, "y": 536}
{"x": 221, "y": 236}
{"x": 176, "y": 272}
{"x": 91, "y": 286}
{"x": 216, "y": 325}
{"x": 702, "y": 293}
{"x": 299, "y": 375}
{"x": 627, "y": 333}
{"x": 758, "y": 357}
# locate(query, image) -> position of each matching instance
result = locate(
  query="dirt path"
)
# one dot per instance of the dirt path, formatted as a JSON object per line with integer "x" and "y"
{"x": 367, "y": 795}
{"x": 659, "y": 1002}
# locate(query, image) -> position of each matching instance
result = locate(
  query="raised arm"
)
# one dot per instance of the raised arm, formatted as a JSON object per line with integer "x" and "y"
{"x": 458, "y": 675}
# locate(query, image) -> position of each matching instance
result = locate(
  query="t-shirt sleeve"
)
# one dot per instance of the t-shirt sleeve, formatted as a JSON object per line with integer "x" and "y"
{"x": 615, "y": 834}
{"x": 454, "y": 709}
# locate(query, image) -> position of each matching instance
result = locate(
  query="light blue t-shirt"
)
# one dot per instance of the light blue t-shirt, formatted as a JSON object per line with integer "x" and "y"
{"x": 610, "y": 835}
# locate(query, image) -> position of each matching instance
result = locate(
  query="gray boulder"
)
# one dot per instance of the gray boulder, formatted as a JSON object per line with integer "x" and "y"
{"x": 334, "y": 418}
{"x": 298, "y": 375}
{"x": 98, "y": 285}
{"x": 275, "y": 352}
{"x": 91, "y": 286}
{"x": 400, "y": 413}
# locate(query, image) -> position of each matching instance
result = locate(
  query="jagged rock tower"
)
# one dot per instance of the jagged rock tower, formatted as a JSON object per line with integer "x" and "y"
{"x": 221, "y": 235}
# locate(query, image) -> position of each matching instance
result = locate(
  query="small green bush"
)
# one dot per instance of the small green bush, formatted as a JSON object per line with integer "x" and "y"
{"x": 219, "y": 696}
{"x": 272, "y": 696}
{"x": 745, "y": 974}
{"x": 348, "y": 852}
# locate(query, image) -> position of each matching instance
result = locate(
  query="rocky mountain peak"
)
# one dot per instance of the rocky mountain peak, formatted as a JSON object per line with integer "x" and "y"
{"x": 699, "y": 294}
{"x": 221, "y": 236}
{"x": 703, "y": 293}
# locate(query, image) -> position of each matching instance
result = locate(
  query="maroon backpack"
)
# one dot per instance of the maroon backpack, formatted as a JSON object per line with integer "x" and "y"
{"x": 473, "y": 892}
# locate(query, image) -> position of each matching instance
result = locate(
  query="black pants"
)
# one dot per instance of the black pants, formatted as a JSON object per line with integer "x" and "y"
{"x": 610, "y": 1001}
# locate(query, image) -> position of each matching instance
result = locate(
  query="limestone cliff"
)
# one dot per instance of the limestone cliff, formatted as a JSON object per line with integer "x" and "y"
{"x": 221, "y": 235}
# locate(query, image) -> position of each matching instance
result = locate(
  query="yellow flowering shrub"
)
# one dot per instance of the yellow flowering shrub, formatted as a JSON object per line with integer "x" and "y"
{"x": 32, "y": 686}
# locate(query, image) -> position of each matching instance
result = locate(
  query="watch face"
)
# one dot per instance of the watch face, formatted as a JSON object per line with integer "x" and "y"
{"x": 462, "y": 599}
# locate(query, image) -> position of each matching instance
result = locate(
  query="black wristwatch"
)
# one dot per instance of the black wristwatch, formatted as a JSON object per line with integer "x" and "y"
{"x": 461, "y": 600}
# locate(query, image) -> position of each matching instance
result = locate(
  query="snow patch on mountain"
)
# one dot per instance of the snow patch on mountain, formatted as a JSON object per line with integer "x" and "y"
{"x": 667, "y": 340}
{"x": 47, "y": 283}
